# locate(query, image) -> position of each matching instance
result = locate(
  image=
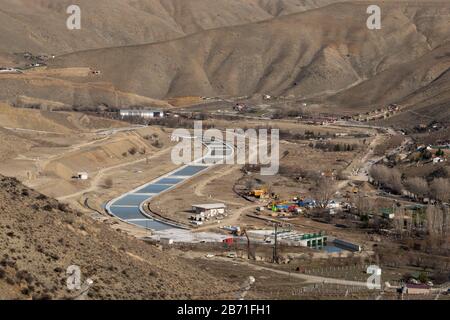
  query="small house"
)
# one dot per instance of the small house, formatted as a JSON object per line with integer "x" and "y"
{"x": 332, "y": 204}
{"x": 412, "y": 288}
{"x": 330, "y": 174}
{"x": 140, "y": 113}
{"x": 228, "y": 240}
{"x": 307, "y": 203}
{"x": 240, "y": 107}
{"x": 82, "y": 175}
{"x": 208, "y": 210}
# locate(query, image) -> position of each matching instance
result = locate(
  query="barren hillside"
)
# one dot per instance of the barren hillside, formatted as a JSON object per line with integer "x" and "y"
{"x": 60, "y": 123}
{"x": 29, "y": 25}
{"x": 327, "y": 50}
{"x": 313, "y": 50}
{"x": 55, "y": 91}
{"x": 148, "y": 50}
{"x": 24, "y": 130}
{"x": 406, "y": 83}
{"x": 40, "y": 238}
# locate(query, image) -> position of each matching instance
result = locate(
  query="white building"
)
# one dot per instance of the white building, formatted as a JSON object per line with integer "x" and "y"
{"x": 82, "y": 175}
{"x": 292, "y": 238}
{"x": 332, "y": 204}
{"x": 437, "y": 160}
{"x": 206, "y": 211}
{"x": 146, "y": 114}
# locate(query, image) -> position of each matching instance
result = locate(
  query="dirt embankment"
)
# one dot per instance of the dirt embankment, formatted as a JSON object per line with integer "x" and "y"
{"x": 40, "y": 238}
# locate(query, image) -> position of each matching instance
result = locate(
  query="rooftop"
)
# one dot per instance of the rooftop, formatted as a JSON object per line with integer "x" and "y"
{"x": 209, "y": 206}
{"x": 140, "y": 110}
{"x": 417, "y": 286}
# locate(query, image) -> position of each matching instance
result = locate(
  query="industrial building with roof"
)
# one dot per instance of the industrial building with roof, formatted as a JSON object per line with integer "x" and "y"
{"x": 141, "y": 113}
{"x": 206, "y": 211}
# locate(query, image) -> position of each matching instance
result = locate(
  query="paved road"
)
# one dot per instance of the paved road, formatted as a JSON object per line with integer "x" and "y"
{"x": 129, "y": 206}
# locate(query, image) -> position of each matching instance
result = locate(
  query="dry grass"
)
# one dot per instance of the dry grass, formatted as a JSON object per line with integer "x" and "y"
{"x": 40, "y": 239}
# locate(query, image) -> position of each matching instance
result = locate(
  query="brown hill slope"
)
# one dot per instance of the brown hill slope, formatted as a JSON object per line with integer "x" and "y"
{"x": 319, "y": 51}
{"x": 21, "y": 130}
{"x": 54, "y": 91}
{"x": 427, "y": 104}
{"x": 40, "y": 238}
{"x": 61, "y": 122}
{"x": 405, "y": 83}
{"x": 30, "y": 25}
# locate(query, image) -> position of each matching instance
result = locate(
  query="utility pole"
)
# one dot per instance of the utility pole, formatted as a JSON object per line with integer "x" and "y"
{"x": 248, "y": 244}
{"x": 275, "y": 253}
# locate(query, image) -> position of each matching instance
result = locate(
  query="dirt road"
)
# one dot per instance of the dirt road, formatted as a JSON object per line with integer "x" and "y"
{"x": 307, "y": 278}
{"x": 95, "y": 183}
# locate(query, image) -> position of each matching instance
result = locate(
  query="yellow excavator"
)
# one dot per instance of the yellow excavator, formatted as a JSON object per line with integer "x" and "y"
{"x": 260, "y": 193}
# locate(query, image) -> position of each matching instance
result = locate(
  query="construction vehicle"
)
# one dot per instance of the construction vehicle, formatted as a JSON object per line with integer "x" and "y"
{"x": 271, "y": 205}
{"x": 284, "y": 206}
{"x": 307, "y": 203}
{"x": 294, "y": 209}
{"x": 259, "y": 193}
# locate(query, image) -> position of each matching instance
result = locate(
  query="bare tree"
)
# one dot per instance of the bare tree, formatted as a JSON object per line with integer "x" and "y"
{"x": 324, "y": 191}
{"x": 437, "y": 222}
{"x": 389, "y": 178}
{"x": 445, "y": 226}
{"x": 395, "y": 180}
{"x": 440, "y": 188}
{"x": 132, "y": 150}
{"x": 399, "y": 221}
{"x": 363, "y": 206}
{"x": 418, "y": 186}
{"x": 109, "y": 183}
